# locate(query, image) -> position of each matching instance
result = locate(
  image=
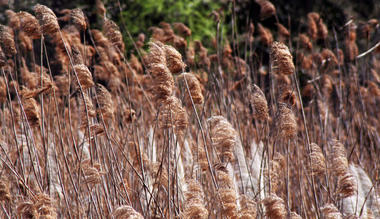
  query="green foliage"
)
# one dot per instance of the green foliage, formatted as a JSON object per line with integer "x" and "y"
{"x": 139, "y": 15}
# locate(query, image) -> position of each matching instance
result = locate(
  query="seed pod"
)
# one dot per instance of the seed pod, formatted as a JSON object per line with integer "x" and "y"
{"x": 7, "y": 41}
{"x": 274, "y": 207}
{"x": 78, "y": 18}
{"x": 47, "y": 19}
{"x": 113, "y": 34}
{"x": 286, "y": 122}
{"x": 29, "y": 24}
{"x": 281, "y": 59}
{"x": 259, "y": 102}
{"x": 194, "y": 88}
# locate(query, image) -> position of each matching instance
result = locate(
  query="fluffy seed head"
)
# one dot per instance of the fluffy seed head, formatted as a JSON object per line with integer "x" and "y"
{"x": 226, "y": 192}
{"x": 265, "y": 35}
{"x": 248, "y": 208}
{"x": 32, "y": 111}
{"x": 126, "y": 212}
{"x": 274, "y": 207}
{"x": 84, "y": 76}
{"x": 29, "y": 24}
{"x": 338, "y": 158}
{"x": 331, "y": 212}
{"x": 194, "y": 87}
{"x": 47, "y": 19}
{"x": 7, "y": 41}
{"x": 182, "y": 29}
{"x": 281, "y": 59}
{"x": 172, "y": 114}
{"x": 174, "y": 60}
{"x": 78, "y": 18}
{"x": 267, "y": 9}
{"x": 286, "y": 122}
{"x": 3, "y": 90}
{"x": 5, "y": 194}
{"x": 194, "y": 201}
{"x": 305, "y": 41}
{"x": 105, "y": 102}
{"x": 318, "y": 165}
{"x": 223, "y": 137}
{"x": 112, "y": 32}
{"x": 3, "y": 59}
{"x": 259, "y": 102}
{"x": 13, "y": 20}
{"x": 347, "y": 185}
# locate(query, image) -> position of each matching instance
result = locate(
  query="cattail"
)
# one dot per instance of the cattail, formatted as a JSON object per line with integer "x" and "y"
{"x": 266, "y": 36}
{"x": 106, "y": 106}
{"x": 5, "y": 194}
{"x": 312, "y": 25}
{"x": 275, "y": 172}
{"x": 78, "y": 18}
{"x": 294, "y": 215}
{"x": 318, "y": 165}
{"x": 45, "y": 206}
{"x": 259, "y": 102}
{"x": 194, "y": 88}
{"x": 63, "y": 84}
{"x": 351, "y": 50}
{"x": 347, "y": 185}
{"x": 29, "y": 24}
{"x": 281, "y": 59}
{"x": 331, "y": 212}
{"x": 3, "y": 90}
{"x": 204, "y": 60}
{"x": 286, "y": 122}
{"x": 47, "y": 19}
{"x": 7, "y": 42}
{"x": 84, "y": 76}
{"x": 339, "y": 162}
{"x": 182, "y": 29}
{"x": 13, "y": 20}
{"x": 32, "y": 111}
{"x": 282, "y": 31}
{"x": 92, "y": 172}
{"x": 173, "y": 59}
{"x": 194, "y": 201}
{"x": 3, "y": 59}
{"x": 112, "y": 32}
{"x": 156, "y": 54}
{"x": 267, "y": 9}
{"x": 305, "y": 41}
{"x": 248, "y": 208}
{"x": 126, "y": 212}
{"x": 226, "y": 192}
{"x": 223, "y": 137}
{"x": 329, "y": 56}
{"x": 274, "y": 207}
{"x": 26, "y": 42}
{"x": 173, "y": 114}
{"x": 163, "y": 82}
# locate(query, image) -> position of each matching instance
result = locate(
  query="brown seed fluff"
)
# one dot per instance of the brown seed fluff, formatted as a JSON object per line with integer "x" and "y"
{"x": 281, "y": 59}
{"x": 318, "y": 165}
{"x": 194, "y": 88}
{"x": 267, "y": 9}
{"x": 126, "y": 212}
{"x": 226, "y": 192}
{"x": 29, "y": 24}
{"x": 84, "y": 76}
{"x": 223, "y": 137}
{"x": 274, "y": 207}
{"x": 194, "y": 201}
{"x": 331, "y": 212}
{"x": 47, "y": 19}
{"x": 259, "y": 102}
{"x": 266, "y": 36}
{"x": 3, "y": 90}
{"x": 112, "y": 32}
{"x": 7, "y": 42}
{"x": 3, "y": 59}
{"x": 347, "y": 185}
{"x": 172, "y": 114}
{"x": 174, "y": 60}
{"x": 78, "y": 19}
{"x": 286, "y": 122}
{"x": 338, "y": 158}
{"x": 248, "y": 208}
{"x": 32, "y": 111}
{"x": 106, "y": 106}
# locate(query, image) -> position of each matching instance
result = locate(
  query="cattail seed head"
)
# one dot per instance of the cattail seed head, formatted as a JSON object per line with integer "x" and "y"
{"x": 331, "y": 212}
{"x": 338, "y": 158}
{"x": 182, "y": 29}
{"x": 265, "y": 35}
{"x": 318, "y": 165}
{"x": 7, "y": 41}
{"x": 29, "y": 24}
{"x": 305, "y": 41}
{"x": 78, "y": 18}
{"x": 84, "y": 76}
{"x": 223, "y": 137}
{"x": 32, "y": 111}
{"x": 194, "y": 88}
{"x": 347, "y": 185}
{"x": 13, "y": 20}
{"x": 126, "y": 212}
{"x": 3, "y": 90}
{"x": 248, "y": 208}
{"x": 112, "y": 32}
{"x": 226, "y": 192}
{"x": 47, "y": 19}
{"x": 259, "y": 102}
{"x": 174, "y": 60}
{"x": 106, "y": 106}
{"x": 194, "y": 201}
{"x": 3, "y": 59}
{"x": 173, "y": 115}
{"x": 287, "y": 124}
{"x": 281, "y": 59}
{"x": 274, "y": 207}
{"x": 267, "y": 9}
